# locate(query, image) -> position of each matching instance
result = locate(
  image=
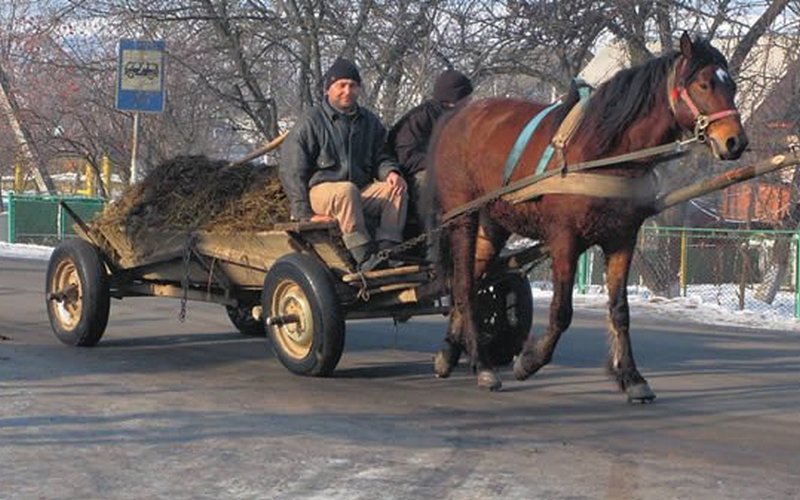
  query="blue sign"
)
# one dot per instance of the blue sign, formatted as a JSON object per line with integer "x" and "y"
{"x": 140, "y": 76}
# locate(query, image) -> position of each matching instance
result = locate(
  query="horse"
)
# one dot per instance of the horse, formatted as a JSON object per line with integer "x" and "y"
{"x": 685, "y": 91}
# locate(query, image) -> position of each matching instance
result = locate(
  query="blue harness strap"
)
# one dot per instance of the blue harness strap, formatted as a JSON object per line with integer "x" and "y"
{"x": 584, "y": 92}
{"x": 523, "y": 139}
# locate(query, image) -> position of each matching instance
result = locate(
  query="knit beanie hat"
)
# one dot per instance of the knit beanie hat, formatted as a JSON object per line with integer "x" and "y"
{"x": 451, "y": 86}
{"x": 340, "y": 69}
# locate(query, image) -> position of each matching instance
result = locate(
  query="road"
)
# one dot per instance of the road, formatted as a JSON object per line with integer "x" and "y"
{"x": 163, "y": 409}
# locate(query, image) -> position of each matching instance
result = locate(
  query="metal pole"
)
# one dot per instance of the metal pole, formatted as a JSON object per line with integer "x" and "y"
{"x": 91, "y": 190}
{"x": 796, "y": 239}
{"x": 134, "y": 146}
{"x": 19, "y": 179}
{"x": 684, "y": 253}
{"x": 582, "y": 271}
{"x": 12, "y": 215}
{"x": 105, "y": 166}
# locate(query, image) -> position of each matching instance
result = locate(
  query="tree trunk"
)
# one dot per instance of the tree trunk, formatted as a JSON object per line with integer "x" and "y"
{"x": 775, "y": 274}
{"x": 24, "y": 141}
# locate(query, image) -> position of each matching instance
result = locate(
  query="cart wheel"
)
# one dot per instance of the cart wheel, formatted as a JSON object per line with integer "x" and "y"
{"x": 77, "y": 293}
{"x": 505, "y": 311}
{"x": 242, "y": 318}
{"x": 306, "y": 326}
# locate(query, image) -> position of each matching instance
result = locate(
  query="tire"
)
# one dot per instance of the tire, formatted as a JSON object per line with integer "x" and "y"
{"x": 298, "y": 284}
{"x": 77, "y": 293}
{"x": 242, "y": 318}
{"x": 505, "y": 314}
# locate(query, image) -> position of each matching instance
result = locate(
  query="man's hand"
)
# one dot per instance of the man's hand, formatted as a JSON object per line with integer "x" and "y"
{"x": 321, "y": 218}
{"x": 397, "y": 182}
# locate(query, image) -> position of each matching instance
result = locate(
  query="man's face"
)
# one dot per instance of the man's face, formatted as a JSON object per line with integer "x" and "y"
{"x": 343, "y": 93}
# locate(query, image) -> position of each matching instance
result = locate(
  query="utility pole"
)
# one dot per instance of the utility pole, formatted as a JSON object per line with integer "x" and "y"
{"x": 10, "y": 108}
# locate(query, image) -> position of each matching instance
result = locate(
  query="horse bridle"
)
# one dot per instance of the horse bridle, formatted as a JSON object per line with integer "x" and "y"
{"x": 678, "y": 93}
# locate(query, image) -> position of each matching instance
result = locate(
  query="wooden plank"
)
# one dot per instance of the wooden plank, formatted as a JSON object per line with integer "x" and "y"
{"x": 382, "y": 273}
{"x": 305, "y": 226}
{"x": 254, "y": 250}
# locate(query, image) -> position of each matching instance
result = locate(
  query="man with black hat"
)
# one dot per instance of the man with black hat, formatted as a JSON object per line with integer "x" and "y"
{"x": 335, "y": 166}
{"x": 409, "y": 138}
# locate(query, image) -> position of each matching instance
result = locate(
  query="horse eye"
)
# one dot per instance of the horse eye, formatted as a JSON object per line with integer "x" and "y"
{"x": 704, "y": 86}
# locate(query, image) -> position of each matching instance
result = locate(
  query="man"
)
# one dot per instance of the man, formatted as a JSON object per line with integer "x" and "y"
{"x": 335, "y": 167}
{"x": 409, "y": 138}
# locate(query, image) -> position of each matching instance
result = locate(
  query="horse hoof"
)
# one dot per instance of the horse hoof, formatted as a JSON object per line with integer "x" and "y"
{"x": 441, "y": 366}
{"x": 640, "y": 393}
{"x": 519, "y": 371}
{"x": 489, "y": 381}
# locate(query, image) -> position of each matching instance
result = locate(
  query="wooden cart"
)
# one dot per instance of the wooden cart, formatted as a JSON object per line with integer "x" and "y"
{"x": 297, "y": 283}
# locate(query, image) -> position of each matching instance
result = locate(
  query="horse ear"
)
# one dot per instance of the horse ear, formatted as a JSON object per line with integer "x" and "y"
{"x": 686, "y": 45}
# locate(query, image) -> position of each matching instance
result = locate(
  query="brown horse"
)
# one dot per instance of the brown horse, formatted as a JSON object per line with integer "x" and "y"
{"x": 645, "y": 106}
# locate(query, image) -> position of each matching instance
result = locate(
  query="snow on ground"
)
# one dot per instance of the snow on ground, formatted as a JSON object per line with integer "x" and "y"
{"x": 701, "y": 305}
{"x": 20, "y": 251}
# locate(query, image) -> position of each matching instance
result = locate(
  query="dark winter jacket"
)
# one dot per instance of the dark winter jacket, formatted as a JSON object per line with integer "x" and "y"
{"x": 328, "y": 146}
{"x": 409, "y": 137}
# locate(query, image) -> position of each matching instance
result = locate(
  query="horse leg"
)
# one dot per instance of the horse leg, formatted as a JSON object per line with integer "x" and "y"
{"x": 485, "y": 248}
{"x": 621, "y": 366}
{"x": 538, "y": 352}
{"x": 447, "y": 357}
{"x": 462, "y": 249}
{"x": 462, "y": 241}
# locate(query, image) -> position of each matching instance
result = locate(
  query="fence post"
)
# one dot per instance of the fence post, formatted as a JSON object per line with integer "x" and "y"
{"x": 583, "y": 271}
{"x": 105, "y": 167}
{"x": 796, "y": 239}
{"x": 19, "y": 179}
{"x": 12, "y": 233}
{"x": 684, "y": 258}
{"x": 89, "y": 180}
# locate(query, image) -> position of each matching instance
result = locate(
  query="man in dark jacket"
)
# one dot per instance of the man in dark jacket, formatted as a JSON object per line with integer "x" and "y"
{"x": 409, "y": 138}
{"x": 335, "y": 166}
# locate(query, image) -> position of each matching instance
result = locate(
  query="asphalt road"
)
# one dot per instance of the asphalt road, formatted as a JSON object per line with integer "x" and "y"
{"x": 162, "y": 409}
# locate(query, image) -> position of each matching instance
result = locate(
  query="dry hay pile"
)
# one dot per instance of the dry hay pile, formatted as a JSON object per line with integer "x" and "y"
{"x": 193, "y": 192}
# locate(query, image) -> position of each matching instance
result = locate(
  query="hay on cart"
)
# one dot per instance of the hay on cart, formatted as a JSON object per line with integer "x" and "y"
{"x": 186, "y": 194}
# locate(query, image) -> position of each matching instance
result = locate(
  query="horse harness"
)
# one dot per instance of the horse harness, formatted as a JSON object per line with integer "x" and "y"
{"x": 586, "y": 184}
{"x": 678, "y": 93}
{"x": 574, "y": 179}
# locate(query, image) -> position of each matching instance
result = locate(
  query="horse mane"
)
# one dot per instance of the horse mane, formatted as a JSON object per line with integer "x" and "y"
{"x": 632, "y": 93}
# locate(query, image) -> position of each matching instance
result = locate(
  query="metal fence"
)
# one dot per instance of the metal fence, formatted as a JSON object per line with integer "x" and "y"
{"x": 41, "y": 220}
{"x": 754, "y": 270}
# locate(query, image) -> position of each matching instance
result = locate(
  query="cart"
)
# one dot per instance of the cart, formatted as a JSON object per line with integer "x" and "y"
{"x": 295, "y": 283}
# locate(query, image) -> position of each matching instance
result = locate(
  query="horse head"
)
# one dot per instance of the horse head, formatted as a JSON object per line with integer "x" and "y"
{"x": 701, "y": 95}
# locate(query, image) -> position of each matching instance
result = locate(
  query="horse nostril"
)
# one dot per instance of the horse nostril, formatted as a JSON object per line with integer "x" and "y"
{"x": 735, "y": 145}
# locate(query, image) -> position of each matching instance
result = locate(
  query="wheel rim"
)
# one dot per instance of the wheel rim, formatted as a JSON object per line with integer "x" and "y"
{"x": 66, "y": 283}
{"x": 297, "y": 338}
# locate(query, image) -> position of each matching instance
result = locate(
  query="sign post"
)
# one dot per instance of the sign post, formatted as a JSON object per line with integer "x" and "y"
{"x": 140, "y": 83}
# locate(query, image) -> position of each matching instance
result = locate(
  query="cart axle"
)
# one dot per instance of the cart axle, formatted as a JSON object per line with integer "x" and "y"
{"x": 285, "y": 319}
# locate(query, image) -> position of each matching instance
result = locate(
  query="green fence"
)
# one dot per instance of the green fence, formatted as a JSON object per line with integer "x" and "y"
{"x": 754, "y": 270}
{"x": 41, "y": 220}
